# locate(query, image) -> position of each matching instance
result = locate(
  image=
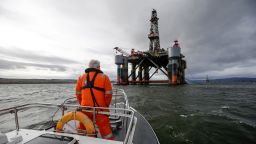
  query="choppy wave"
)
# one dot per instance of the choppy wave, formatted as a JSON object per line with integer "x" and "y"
{"x": 186, "y": 114}
{"x": 197, "y": 113}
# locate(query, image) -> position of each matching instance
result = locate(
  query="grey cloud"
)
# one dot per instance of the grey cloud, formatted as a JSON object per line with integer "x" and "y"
{"x": 4, "y": 11}
{"x": 12, "y": 65}
{"x": 214, "y": 35}
{"x": 35, "y": 57}
{"x": 10, "y": 14}
{"x": 101, "y": 51}
{"x": 224, "y": 41}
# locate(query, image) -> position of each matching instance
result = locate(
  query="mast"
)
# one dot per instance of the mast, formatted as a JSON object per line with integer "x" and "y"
{"x": 154, "y": 33}
{"x": 207, "y": 79}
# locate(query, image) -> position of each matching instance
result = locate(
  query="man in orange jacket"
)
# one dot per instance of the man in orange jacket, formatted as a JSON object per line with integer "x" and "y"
{"x": 94, "y": 89}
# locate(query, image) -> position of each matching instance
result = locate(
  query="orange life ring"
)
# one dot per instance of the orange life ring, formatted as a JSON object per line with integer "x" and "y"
{"x": 79, "y": 116}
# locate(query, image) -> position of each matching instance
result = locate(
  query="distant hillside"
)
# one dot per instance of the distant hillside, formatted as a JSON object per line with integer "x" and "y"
{"x": 235, "y": 80}
{"x": 36, "y": 81}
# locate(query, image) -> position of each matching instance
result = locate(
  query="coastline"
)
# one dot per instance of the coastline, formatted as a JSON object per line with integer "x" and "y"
{"x": 36, "y": 81}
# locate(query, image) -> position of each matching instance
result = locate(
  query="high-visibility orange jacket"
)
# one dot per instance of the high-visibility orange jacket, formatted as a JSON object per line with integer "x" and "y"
{"x": 102, "y": 89}
{"x": 94, "y": 89}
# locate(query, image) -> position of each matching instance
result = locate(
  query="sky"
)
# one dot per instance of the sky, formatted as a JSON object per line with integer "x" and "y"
{"x": 55, "y": 39}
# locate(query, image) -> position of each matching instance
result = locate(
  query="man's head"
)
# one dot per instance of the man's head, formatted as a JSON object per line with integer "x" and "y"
{"x": 94, "y": 64}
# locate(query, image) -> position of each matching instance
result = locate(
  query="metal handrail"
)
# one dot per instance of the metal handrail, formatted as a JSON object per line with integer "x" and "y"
{"x": 120, "y": 92}
{"x": 128, "y": 113}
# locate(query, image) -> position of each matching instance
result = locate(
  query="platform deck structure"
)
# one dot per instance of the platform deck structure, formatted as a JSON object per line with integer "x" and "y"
{"x": 146, "y": 64}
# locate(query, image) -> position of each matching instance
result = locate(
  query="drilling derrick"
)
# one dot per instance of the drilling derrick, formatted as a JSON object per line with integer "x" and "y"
{"x": 145, "y": 64}
{"x": 154, "y": 33}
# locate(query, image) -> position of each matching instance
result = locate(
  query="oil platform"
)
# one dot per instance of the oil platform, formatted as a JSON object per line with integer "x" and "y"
{"x": 169, "y": 61}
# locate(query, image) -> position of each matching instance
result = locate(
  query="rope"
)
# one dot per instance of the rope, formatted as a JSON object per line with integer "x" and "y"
{"x": 61, "y": 106}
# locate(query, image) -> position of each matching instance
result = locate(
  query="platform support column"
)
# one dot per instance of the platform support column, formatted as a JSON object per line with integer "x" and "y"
{"x": 140, "y": 74}
{"x": 146, "y": 75}
{"x": 133, "y": 72}
{"x": 118, "y": 74}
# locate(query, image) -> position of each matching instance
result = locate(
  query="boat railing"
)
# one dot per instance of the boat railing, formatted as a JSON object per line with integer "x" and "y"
{"x": 125, "y": 112}
{"x": 120, "y": 93}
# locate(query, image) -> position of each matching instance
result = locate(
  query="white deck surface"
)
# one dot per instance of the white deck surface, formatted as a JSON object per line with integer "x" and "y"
{"x": 28, "y": 135}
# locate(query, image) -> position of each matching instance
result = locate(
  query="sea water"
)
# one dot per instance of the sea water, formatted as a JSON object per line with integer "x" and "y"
{"x": 196, "y": 114}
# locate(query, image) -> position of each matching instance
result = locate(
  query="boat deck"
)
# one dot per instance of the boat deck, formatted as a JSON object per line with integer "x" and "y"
{"x": 128, "y": 125}
{"x": 31, "y": 137}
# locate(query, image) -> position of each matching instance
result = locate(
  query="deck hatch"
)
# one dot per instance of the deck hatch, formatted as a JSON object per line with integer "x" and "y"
{"x": 52, "y": 139}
